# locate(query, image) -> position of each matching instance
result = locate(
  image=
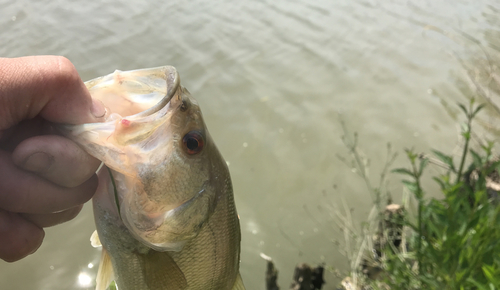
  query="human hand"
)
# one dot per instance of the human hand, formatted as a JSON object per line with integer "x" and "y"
{"x": 44, "y": 177}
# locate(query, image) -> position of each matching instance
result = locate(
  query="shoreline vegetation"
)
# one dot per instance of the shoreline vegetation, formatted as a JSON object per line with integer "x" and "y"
{"x": 452, "y": 242}
{"x": 433, "y": 240}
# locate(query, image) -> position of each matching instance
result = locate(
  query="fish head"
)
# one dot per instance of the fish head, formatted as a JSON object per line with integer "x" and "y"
{"x": 166, "y": 171}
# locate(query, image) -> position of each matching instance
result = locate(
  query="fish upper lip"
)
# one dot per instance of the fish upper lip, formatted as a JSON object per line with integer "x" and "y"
{"x": 173, "y": 83}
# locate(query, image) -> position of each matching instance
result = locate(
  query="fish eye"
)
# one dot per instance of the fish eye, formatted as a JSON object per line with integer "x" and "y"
{"x": 193, "y": 142}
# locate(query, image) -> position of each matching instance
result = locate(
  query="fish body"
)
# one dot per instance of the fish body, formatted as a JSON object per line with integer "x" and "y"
{"x": 164, "y": 208}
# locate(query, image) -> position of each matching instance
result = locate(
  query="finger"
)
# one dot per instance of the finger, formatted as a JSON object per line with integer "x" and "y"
{"x": 25, "y": 192}
{"x": 18, "y": 237}
{"x": 48, "y": 86}
{"x": 57, "y": 159}
{"x": 52, "y": 219}
{"x": 23, "y": 130}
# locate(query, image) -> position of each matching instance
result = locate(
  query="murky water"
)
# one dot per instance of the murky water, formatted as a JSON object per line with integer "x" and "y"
{"x": 272, "y": 78}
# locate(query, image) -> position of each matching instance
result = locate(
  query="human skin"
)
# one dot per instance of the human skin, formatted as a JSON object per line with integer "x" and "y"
{"x": 44, "y": 178}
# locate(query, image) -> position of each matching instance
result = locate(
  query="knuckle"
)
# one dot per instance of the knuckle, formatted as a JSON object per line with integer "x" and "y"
{"x": 66, "y": 70}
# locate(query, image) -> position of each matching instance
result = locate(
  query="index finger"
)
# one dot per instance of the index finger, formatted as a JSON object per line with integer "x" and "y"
{"x": 48, "y": 86}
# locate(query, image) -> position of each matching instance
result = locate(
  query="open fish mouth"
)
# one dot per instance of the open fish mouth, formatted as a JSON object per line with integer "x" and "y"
{"x": 143, "y": 88}
{"x": 137, "y": 102}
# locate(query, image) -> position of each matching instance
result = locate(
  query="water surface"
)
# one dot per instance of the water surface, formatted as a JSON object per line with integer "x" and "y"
{"x": 272, "y": 79}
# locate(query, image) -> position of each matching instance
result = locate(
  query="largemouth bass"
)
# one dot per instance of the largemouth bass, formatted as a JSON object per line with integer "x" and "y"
{"x": 164, "y": 208}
